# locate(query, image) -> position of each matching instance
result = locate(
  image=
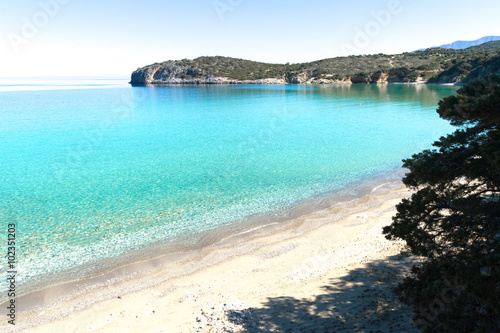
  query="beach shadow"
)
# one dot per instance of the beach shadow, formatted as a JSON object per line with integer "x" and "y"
{"x": 361, "y": 301}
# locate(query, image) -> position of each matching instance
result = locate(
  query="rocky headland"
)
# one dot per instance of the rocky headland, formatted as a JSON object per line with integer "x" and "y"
{"x": 430, "y": 66}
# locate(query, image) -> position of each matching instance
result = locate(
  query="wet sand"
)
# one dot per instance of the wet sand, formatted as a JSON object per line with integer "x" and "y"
{"x": 331, "y": 269}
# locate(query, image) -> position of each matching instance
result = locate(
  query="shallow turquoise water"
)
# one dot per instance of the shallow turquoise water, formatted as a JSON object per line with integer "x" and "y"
{"x": 93, "y": 173}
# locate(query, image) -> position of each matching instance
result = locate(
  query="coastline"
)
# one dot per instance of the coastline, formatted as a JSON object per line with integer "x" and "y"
{"x": 121, "y": 264}
{"x": 332, "y": 220}
{"x": 226, "y": 81}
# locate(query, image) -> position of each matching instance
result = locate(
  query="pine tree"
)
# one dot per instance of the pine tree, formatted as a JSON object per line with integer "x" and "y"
{"x": 453, "y": 218}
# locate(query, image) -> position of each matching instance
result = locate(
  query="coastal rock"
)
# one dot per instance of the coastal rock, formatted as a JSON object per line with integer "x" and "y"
{"x": 298, "y": 78}
{"x": 379, "y": 77}
{"x": 360, "y": 78}
{"x": 396, "y": 75}
{"x": 165, "y": 76}
{"x": 143, "y": 75}
{"x": 321, "y": 81}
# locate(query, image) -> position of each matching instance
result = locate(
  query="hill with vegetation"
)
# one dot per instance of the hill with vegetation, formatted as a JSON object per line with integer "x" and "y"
{"x": 493, "y": 45}
{"x": 435, "y": 65}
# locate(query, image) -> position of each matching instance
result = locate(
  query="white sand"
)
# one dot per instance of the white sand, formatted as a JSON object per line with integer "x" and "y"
{"x": 314, "y": 274}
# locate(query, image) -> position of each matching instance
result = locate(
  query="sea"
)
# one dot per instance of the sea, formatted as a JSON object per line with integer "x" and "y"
{"x": 92, "y": 169}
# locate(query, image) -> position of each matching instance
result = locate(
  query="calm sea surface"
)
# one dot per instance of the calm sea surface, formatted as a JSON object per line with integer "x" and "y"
{"x": 91, "y": 169}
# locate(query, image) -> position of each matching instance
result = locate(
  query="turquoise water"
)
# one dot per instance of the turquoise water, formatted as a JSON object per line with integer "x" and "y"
{"x": 93, "y": 173}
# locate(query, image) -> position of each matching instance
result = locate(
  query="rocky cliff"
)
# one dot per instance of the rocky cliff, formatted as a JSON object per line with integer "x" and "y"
{"x": 161, "y": 76}
{"x": 166, "y": 76}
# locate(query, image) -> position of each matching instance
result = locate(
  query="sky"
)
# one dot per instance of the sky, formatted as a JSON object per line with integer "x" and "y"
{"x": 112, "y": 38}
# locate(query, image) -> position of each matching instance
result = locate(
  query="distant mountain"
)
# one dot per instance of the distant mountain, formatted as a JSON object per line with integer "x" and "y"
{"x": 493, "y": 45}
{"x": 460, "y": 44}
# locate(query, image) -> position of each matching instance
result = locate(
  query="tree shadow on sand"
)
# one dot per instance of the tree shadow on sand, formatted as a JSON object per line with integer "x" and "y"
{"x": 361, "y": 301}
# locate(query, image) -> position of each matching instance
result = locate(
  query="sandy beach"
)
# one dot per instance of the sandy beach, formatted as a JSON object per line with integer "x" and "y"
{"x": 331, "y": 270}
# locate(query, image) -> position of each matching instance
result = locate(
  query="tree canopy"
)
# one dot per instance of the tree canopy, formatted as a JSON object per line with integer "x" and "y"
{"x": 453, "y": 217}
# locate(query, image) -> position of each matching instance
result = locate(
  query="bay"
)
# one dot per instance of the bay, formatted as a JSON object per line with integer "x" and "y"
{"x": 94, "y": 170}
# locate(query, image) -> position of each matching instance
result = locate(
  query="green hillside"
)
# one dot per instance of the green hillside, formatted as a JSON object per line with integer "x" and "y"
{"x": 493, "y": 45}
{"x": 434, "y": 65}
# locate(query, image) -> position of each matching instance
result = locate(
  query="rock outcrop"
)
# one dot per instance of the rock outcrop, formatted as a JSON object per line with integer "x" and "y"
{"x": 157, "y": 75}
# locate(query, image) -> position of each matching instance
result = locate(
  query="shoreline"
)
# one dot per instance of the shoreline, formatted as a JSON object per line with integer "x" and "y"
{"x": 257, "y": 82}
{"x": 138, "y": 277}
{"x": 187, "y": 244}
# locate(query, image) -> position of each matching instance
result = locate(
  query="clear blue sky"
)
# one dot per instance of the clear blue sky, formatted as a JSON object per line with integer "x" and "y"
{"x": 114, "y": 37}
